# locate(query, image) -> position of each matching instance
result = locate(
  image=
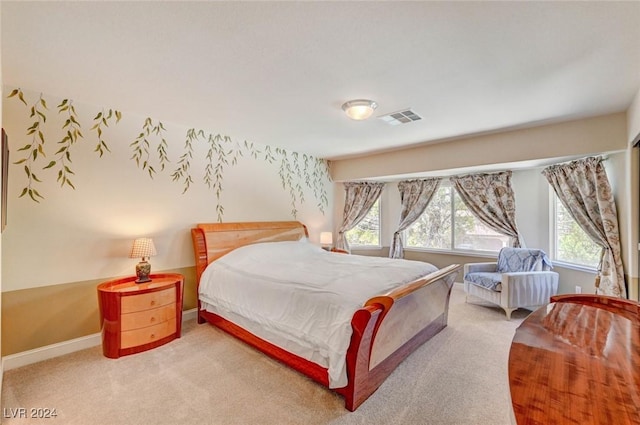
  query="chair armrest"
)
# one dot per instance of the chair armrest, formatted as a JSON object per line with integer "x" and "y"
{"x": 480, "y": 267}
{"x": 522, "y": 289}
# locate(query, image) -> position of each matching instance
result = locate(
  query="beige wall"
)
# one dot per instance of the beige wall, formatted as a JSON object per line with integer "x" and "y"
{"x": 570, "y": 139}
{"x": 633, "y": 211}
{"x": 61, "y": 247}
{"x": 509, "y": 150}
{"x": 83, "y": 234}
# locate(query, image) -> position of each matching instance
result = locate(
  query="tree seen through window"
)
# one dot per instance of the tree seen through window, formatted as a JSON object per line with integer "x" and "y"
{"x": 448, "y": 224}
{"x": 367, "y": 232}
{"x": 572, "y": 244}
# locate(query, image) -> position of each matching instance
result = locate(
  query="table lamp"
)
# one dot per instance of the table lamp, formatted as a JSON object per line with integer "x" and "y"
{"x": 143, "y": 248}
{"x": 326, "y": 239}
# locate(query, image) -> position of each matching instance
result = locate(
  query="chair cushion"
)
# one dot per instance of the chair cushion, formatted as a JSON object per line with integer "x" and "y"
{"x": 487, "y": 280}
{"x": 522, "y": 260}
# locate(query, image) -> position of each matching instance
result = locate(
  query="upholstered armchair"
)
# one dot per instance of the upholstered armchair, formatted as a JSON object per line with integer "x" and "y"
{"x": 520, "y": 278}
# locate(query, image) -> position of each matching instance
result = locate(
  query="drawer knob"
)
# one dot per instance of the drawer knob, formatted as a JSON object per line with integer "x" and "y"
{"x": 153, "y": 336}
{"x": 153, "y": 319}
{"x": 153, "y": 302}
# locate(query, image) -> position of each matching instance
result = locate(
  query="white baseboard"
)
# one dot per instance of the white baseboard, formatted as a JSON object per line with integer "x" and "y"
{"x": 39, "y": 354}
{"x": 28, "y": 357}
{"x": 189, "y": 314}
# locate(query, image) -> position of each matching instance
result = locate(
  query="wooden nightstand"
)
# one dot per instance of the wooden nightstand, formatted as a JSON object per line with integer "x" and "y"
{"x": 138, "y": 317}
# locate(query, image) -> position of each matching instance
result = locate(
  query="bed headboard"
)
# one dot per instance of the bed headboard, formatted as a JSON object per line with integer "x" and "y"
{"x": 213, "y": 240}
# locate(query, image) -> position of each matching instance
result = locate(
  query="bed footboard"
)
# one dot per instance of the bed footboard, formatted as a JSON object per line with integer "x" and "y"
{"x": 390, "y": 327}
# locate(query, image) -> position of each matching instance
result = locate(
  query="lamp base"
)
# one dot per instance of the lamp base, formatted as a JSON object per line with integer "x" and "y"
{"x": 143, "y": 269}
{"x": 143, "y": 280}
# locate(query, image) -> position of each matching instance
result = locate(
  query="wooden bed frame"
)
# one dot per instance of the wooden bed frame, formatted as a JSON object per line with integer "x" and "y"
{"x": 386, "y": 329}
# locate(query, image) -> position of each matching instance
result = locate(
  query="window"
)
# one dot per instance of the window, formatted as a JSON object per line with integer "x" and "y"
{"x": 367, "y": 232}
{"x": 448, "y": 224}
{"x": 571, "y": 243}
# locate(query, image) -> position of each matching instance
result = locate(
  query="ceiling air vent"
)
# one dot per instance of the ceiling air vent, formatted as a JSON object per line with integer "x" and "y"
{"x": 401, "y": 117}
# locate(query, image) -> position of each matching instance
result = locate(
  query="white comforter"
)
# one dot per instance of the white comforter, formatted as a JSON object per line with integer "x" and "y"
{"x": 298, "y": 292}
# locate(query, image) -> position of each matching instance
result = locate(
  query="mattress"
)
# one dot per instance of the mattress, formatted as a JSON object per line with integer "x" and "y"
{"x": 300, "y": 297}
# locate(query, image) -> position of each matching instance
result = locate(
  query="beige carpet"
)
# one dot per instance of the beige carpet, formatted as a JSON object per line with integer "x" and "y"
{"x": 207, "y": 377}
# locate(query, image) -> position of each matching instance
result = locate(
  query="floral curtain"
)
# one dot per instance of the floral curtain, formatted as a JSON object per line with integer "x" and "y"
{"x": 583, "y": 188}
{"x": 490, "y": 198}
{"x": 359, "y": 198}
{"x": 415, "y": 195}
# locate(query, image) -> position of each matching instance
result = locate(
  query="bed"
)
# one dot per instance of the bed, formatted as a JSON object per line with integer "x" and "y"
{"x": 383, "y": 327}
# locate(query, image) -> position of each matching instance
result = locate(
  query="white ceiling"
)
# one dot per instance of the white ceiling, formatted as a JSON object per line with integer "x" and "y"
{"x": 276, "y": 73}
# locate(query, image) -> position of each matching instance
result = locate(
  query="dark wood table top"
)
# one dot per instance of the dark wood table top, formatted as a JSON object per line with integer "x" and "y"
{"x": 577, "y": 361}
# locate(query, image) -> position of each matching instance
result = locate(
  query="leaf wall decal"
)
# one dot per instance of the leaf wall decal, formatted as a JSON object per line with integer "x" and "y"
{"x": 296, "y": 171}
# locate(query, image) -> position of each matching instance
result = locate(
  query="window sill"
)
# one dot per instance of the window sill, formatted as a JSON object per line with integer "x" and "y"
{"x": 494, "y": 255}
{"x": 481, "y": 254}
{"x": 365, "y": 247}
{"x": 576, "y": 267}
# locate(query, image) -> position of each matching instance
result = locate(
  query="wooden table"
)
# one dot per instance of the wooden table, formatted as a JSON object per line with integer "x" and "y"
{"x": 577, "y": 361}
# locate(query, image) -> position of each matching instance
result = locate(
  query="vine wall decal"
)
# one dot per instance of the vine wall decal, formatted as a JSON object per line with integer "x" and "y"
{"x": 223, "y": 152}
{"x": 214, "y": 174}
{"x": 36, "y": 147}
{"x": 296, "y": 171}
{"x": 64, "y": 153}
{"x": 183, "y": 172}
{"x": 100, "y": 120}
{"x": 35, "y": 150}
{"x": 142, "y": 146}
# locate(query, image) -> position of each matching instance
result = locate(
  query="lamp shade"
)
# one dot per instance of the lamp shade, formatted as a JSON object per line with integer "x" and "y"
{"x": 359, "y": 109}
{"x": 326, "y": 238}
{"x": 142, "y": 248}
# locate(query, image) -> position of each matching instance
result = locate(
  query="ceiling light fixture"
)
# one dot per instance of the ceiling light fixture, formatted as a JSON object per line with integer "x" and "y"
{"x": 359, "y": 109}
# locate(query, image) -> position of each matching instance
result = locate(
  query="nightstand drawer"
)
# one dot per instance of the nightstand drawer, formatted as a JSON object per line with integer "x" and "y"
{"x": 146, "y": 318}
{"x": 132, "y": 304}
{"x": 149, "y": 334}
